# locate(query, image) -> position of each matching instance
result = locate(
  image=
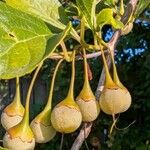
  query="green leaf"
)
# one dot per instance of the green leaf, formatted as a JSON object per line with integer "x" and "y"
{"x": 55, "y": 40}
{"x": 87, "y": 9}
{"x": 142, "y": 146}
{"x": 51, "y": 11}
{"x": 106, "y": 17}
{"x": 71, "y": 10}
{"x": 52, "y": 44}
{"x": 110, "y": 2}
{"x": 142, "y": 5}
{"x": 22, "y": 42}
{"x": 2, "y": 148}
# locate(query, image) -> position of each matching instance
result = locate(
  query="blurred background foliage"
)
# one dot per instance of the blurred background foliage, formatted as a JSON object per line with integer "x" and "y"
{"x": 133, "y": 63}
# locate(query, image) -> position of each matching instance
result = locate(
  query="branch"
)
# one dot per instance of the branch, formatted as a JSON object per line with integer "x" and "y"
{"x": 86, "y": 128}
{"x": 78, "y": 57}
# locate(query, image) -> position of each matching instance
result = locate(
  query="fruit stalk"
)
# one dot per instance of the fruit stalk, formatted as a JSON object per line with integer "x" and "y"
{"x": 27, "y": 105}
{"x": 70, "y": 95}
{"x": 86, "y": 80}
{"x": 17, "y": 99}
{"x": 115, "y": 74}
{"x": 49, "y": 102}
{"x": 108, "y": 81}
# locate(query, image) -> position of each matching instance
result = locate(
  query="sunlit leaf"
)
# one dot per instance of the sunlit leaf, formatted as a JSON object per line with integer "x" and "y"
{"x": 55, "y": 40}
{"x": 106, "y": 17}
{"x": 110, "y": 2}
{"x": 50, "y": 11}
{"x": 22, "y": 41}
{"x": 2, "y": 148}
{"x": 142, "y": 5}
{"x": 87, "y": 9}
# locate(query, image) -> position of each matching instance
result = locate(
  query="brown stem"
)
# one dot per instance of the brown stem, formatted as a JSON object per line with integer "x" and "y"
{"x": 78, "y": 57}
{"x": 90, "y": 75}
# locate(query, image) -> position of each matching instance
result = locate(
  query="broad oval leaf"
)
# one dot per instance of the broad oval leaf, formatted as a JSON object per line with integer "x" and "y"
{"x": 51, "y": 11}
{"x": 22, "y": 42}
{"x": 105, "y": 16}
{"x": 87, "y": 9}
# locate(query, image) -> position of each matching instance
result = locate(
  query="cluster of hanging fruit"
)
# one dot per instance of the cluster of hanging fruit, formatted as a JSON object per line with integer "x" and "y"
{"x": 65, "y": 117}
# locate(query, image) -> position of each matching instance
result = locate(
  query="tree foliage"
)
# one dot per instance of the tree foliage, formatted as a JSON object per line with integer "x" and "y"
{"x": 39, "y": 29}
